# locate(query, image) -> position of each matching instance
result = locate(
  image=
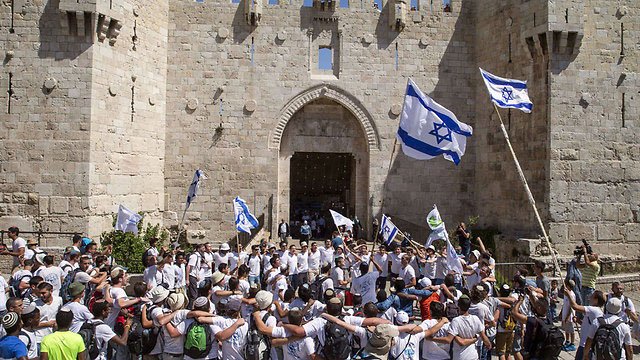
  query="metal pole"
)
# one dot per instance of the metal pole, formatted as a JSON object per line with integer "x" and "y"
{"x": 528, "y": 191}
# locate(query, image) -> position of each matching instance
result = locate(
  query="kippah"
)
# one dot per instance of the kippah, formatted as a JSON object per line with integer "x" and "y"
{"x": 28, "y": 309}
{"x": 201, "y": 301}
{"x": 335, "y": 300}
{"x": 9, "y": 320}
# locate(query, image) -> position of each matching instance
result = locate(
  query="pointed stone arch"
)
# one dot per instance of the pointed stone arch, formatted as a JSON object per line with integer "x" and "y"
{"x": 330, "y": 92}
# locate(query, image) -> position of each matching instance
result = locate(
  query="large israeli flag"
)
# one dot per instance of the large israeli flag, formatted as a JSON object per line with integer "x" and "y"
{"x": 127, "y": 220}
{"x": 427, "y": 129}
{"x": 388, "y": 230}
{"x": 193, "y": 188}
{"x": 245, "y": 221}
{"x": 507, "y": 93}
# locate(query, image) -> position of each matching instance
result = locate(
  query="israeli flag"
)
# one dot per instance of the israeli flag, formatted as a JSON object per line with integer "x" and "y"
{"x": 507, "y": 93}
{"x": 245, "y": 221}
{"x": 127, "y": 220}
{"x": 388, "y": 230}
{"x": 195, "y": 185}
{"x": 427, "y": 129}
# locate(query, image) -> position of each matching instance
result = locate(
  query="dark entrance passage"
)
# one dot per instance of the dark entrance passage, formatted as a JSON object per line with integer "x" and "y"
{"x": 319, "y": 182}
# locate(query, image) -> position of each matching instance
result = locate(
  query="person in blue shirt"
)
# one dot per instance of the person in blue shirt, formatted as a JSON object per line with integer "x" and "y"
{"x": 403, "y": 299}
{"x": 336, "y": 240}
{"x": 10, "y": 346}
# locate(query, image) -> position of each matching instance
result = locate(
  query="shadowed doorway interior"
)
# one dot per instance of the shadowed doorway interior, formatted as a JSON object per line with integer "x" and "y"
{"x": 322, "y": 181}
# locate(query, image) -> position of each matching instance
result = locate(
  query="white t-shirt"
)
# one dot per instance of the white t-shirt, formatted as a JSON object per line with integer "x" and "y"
{"x": 3, "y": 295}
{"x": 326, "y": 255}
{"x": 205, "y": 266}
{"x": 156, "y": 312}
{"x": 315, "y": 329}
{"x": 483, "y": 313}
{"x": 280, "y": 286}
{"x": 52, "y": 275}
{"x": 365, "y": 285}
{"x": 441, "y": 267}
{"x": 221, "y": 259}
{"x": 406, "y": 346}
{"x": 266, "y": 262}
{"x": 626, "y": 304}
{"x": 152, "y": 277}
{"x": 233, "y": 348}
{"x": 591, "y": 313}
{"x": 47, "y": 313}
{"x": 567, "y": 310}
{"x": 337, "y": 274}
{"x": 430, "y": 268}
{"x": 465, "y": 326}
{"x": 254, "y": 265}
{"x": 194, "y": 261}
{"x": 15, "y": 246}
{"x": 175, "y": 345}
{"x": 184, "y": 326}
{"x": 383, "y": 261}
{"x": 116, "y": 293}
{"x": 296, "y": 350}
{"x": 316, "y": 309}
{"x": 104, "y": 333}
{"x": 407, "y": 274}
{"x": 396, "y": 262}
{"x": 80, "y": 315}
{"x": 292, "y": 264}
{"x": 624, "y": 332}
{"x": 67, "y": 267}
{"x": 314, "y": 260}
{"x": 303, "y": 263}
{"x": 28, "y": 337}
{"x": 432, "y": 350}
{"x": 244, "y": 286}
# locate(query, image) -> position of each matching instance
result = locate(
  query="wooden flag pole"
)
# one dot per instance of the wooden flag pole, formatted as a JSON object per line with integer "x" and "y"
{"x": 529, "y": 194}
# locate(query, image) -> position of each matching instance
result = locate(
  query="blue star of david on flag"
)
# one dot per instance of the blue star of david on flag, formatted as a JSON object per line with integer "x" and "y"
{"x": 388, "y": 230}
{"x": 436, "y": 132}
{"x": 507, "y": 94}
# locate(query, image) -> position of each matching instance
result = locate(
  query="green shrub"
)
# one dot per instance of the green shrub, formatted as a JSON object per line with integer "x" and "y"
{"x": 127, "y": 248}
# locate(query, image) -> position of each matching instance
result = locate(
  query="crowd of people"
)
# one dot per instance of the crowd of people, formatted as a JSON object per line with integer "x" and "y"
{"x": 332, "y": 300}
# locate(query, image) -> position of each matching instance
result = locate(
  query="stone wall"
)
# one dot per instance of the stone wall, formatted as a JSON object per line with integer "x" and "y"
{"x": 220, "y": 67}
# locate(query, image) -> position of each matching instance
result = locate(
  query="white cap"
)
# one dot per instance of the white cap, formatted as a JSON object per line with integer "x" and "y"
{"x": 402, "y": 318}
{"x": 225, "y": 247}
{"x": 424, "y": 282}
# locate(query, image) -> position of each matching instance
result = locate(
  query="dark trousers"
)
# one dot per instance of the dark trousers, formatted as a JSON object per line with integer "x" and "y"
{"x": 192, "y": 290}
{"x": 299, "y": 279}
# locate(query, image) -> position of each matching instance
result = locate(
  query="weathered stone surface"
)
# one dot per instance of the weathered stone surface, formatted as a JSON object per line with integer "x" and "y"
{"x": 189, "y": 86}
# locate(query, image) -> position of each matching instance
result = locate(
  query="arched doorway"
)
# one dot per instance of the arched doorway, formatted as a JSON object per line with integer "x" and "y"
{"x": 323, "y": 141}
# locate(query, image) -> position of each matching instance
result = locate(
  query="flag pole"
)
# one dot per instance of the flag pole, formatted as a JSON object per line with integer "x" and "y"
{"x": 528, "y": 191}
{"x": 184, "y": 213}
{"x": 238, "y": 241}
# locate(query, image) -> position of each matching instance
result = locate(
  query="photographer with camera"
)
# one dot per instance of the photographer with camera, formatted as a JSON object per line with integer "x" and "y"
{"x": 464, "y": 239}
{"x": 590, "y": 269}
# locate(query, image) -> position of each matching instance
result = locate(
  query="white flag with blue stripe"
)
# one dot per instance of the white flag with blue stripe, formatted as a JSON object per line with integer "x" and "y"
{"x": 427, "y": 129}
{"x": 127, "y": 220}
{"x": 388, "y": 230}
{"x": 507, "y": 93}
{"x": 193, "y": 188}
{"x": 245, "y": 221}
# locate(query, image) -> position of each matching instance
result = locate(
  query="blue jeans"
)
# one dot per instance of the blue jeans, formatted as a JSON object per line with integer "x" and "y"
{"x": 586, "y": 293}
{"x": 254, "y": 280}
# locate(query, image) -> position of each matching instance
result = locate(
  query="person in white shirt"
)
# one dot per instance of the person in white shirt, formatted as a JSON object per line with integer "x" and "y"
{"x": 405, "y": 346}
{"x": 292, "y": 266}
{"x": 365, "y": 284}
{"x": 395, "y": 258}
{"x": 199, "y": 304}
{"x": 48, "y": 306}
{"x": 51, "y": 274}
{"x": 180, "y": 269}
{"x": 326, "y": 282}
{"x": 233, "y": 337}
{"x": 209, "y": 266}
{"x": 104, "y": 333}
{"x": 613, "y": 309}
{"x": 194, "y": 272}
{"x": 628, "y": 313}
{"x": 407, "y": 273}
{"x": 340, "y": 281}
{"x": 266, "y": 259}
{"x": 566, "y": 318}
{"x": 4, "y": 288}
{"x": 30, "y": 319}
{"x": 255, "y": 265}
{"x": 382, "y": 258}
{"x": 69, "y": 261}
{"x": 80, "y": 312}
{"x": 326, "y": 253}
{"x": 313, "y": 260}
{"x": 18, "y": 246}
{"x": 591, "y": 313}
{"x": 303, "y": 265}
{"x": 464, "y": 331}
{"x": 430, "y": 265}
{"x": 293, "y": 348}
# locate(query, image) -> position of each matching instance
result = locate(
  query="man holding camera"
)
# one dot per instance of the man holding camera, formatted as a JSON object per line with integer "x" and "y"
{"x": 590, "y": 270}
{"x": 464, "y": 239}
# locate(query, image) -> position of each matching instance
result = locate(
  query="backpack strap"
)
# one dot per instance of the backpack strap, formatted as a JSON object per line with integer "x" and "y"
{"x": 24, "y": 333}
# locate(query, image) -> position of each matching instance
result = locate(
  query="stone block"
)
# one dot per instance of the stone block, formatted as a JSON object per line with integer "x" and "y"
{"x": 58, "y": 205}
{"x": 610, "y": 232}
{"x": 577, "y": 232}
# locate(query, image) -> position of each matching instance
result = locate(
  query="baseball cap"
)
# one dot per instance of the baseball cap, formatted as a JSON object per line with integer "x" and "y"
{"x": 225, "y": 247}
{"x": 424, "y": 282}
{"x": 402, "y": 318}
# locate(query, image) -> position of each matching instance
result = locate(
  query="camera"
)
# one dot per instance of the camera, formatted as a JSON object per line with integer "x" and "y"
{"x": 580, "y": 251}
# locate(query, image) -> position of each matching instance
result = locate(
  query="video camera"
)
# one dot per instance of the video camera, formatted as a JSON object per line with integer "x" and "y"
{"x": 580, "y": 251}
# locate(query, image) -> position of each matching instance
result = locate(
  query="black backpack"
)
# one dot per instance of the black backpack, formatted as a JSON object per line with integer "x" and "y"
{"x": 549, "y": 343}
{"x": 64, "y": 289}
{"x": 196, "y": 330}
{"x": 451, "y": 310}
{"x": 607, "y": 340}
{"x": 316, "y": 287}
{"x": 141, "y": 341}
{"x": 14, "y": 286}
{"x": 88, "y": 334}
{"x": 336, "y": 342}
{"x": 258, "y": 345}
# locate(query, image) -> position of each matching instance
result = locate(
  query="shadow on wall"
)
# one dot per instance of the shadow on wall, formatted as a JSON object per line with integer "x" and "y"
{"x": 51, "y": 31}
{"x": 385, "y": 35}
{"x": 422, "y": 183}
{"x": 241, "y": 29}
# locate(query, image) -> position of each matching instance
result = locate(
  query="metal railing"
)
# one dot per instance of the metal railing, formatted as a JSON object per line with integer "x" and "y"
{"x": 39, "y": 234}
